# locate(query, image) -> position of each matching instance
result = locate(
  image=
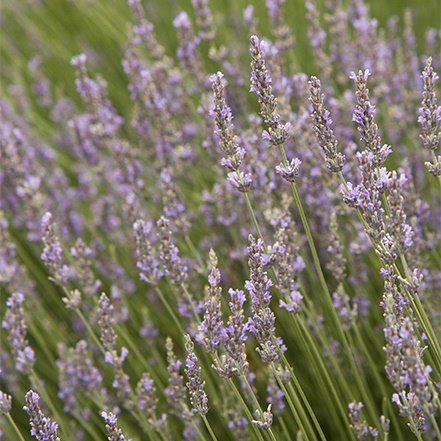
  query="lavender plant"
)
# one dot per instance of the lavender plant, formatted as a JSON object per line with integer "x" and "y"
{"x": 220, "y": 223}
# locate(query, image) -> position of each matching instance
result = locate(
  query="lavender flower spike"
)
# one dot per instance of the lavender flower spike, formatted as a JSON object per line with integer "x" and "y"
{"x": 212, "y": 328}
{"x": 277, "y": 132}
{"x": 430, "y": 117}
{"x": 42, "y": 427}
{"x": 174, "y": 267}
{"x": 358, "y": 424}
{"x": 146, "y": 398}
{"x": 114, "y": 433}
{"x": 322, "y": 124}
{"x": 14, "y": 323}
{"x": 265, "y": 418}
{"x": 364, "y": 119}
{"x": 262, "y": 322}
{"x": 52, "y": 254}
{"x": 176, "y": 393}
{"x": 146, "y": 261}
{"x": 290, "y": 171}
{"x": 5, "y": 403}
{"x": 227, "y": 139}
{"x": 429, "y": 112}
{"x": 204, "y": 19}
{"x": 195, "y": 385}
{"x": 234, "y": 362}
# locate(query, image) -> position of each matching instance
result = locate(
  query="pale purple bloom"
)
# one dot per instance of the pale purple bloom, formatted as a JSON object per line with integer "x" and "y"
{"x": 42, "y": 427}
{"x": 84, "y": 272}
{"x": 146, "y": 260}
{"x": 262, "y": 322}
{"x": 290, "y": 171}
{"x": 358, "y": 425}
{"x": 234, "y": 361}
{"x": 147, "y": 399}
{"x": 405, "y": 368}
{"x": 114, "y": 433}
{"x": 104, "y": 121}
{"x": 265, "y": 418}
{"x": 277, "y": 132}
{"x": 175, "y": 393}
{"x": 187, "y": 50}
{"x": 76, "y": 372}
{"x": 275, "y": 396}
{"x": 52, "y": 254}
{"x": 15, "y": 325}
{"x": 5, "y": 403}
{"x": 204, "y": 19}
{"x": 174, "y": 267}
{"x": 363, "y": 117}
{"x": 143, "y": 31}
{"x": 429, "y": 115}
{"x": 322, "y": 124}
{"x": 195, "y": 385}
{"x": 234, "y": 154}
{"x": 211, "y": 330}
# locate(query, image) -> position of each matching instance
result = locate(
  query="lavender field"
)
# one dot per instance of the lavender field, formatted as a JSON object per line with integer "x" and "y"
{"x": 220, "y": 220}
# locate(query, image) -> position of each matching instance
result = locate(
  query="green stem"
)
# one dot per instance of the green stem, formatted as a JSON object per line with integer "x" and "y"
{"x": 14, "y": 426}
{"x": 210, "y": 430}
{"x": 170, "y": 310}
{"x": 292, "y": 406}
{"x": 253, "y": 216}
{"x": 90, "y": 330}
{"x": 256, "y": 402}
{"x": 247, "y": 411}
{"x": 434, "y": 161}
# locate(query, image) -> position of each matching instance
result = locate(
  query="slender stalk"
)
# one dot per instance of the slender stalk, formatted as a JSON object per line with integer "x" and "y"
{"x": 209, "y": 429}
{"x": 14, "y": 426}
{"x": 432, "y": 152}
{"x": 245, "y": 407}
{"x": 90, "y": 330}
{"x": 170, "y": 310}
{"x": 253, "y": 216}
{"x": 256, "y": 402}
{"x": 292, "y": 406}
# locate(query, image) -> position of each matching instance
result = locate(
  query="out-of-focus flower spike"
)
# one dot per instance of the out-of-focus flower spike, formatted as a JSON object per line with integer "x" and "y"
{"x": 204, "y": 19}
{"x": 322, "y": 124}
{"x": 15, "y": 325}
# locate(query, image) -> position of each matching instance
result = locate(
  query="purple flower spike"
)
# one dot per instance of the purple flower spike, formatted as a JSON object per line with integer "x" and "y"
{"x": 114, "y": 433}
{"x": 322, "y": 124}
{"x": 277, "y": 132}
{"x": 195, "y": 385}
{"x": 42, "y": 427}
{"x": 15, "y": 325}
{"x": 234, "y": 154}
{"x": 262, "y": 322}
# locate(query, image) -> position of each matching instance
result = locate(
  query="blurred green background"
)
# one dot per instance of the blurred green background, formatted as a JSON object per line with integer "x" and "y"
{"x": 59, "y": 29}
